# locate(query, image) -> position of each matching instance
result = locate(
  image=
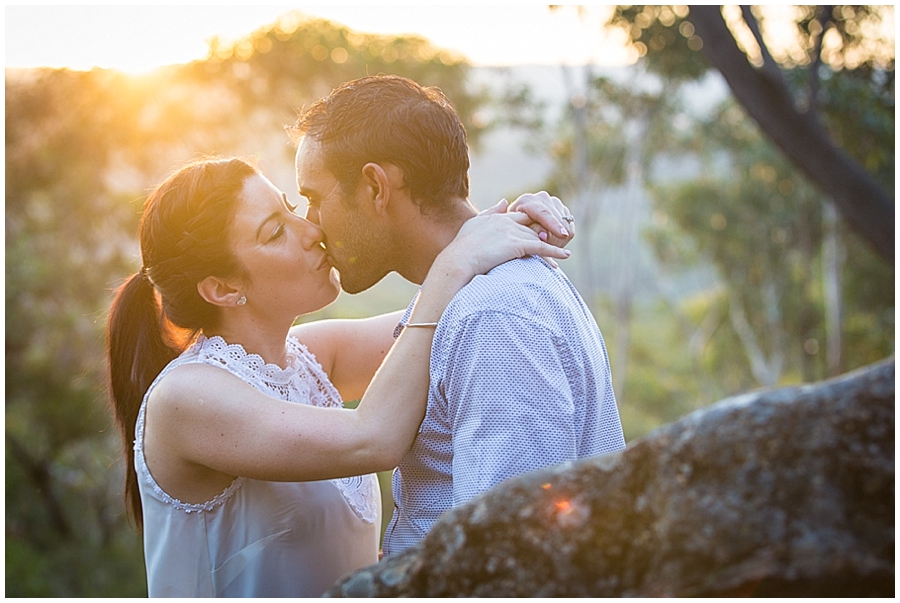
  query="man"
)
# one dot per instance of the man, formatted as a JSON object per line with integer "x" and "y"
{"x": 519, "y": 373}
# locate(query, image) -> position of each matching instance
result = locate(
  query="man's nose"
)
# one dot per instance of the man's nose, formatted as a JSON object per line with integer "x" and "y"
{"x": 312, "y": 234}
{"x": 312, "y": 215}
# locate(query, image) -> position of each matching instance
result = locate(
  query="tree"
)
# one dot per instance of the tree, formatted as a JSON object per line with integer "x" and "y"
{"x": 82, "y": 150}
{"x": 65, "y": 242}
{"x": 761, "y": 225}
{"x": 793, "y": 290}
{"x": 279, "y": 69}
{"x": 797, "y": 128}
{"x": 609, "y": 140}
{"x": 765, "y": 230}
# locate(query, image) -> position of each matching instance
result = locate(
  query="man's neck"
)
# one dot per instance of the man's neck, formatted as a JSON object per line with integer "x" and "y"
{"x": 427, "y": 236}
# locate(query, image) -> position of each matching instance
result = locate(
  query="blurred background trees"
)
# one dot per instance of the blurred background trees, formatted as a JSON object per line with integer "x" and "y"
{"x": 743, "y": 251}
{"x": 714, "y": 264}
{"x": 82, "y": 148}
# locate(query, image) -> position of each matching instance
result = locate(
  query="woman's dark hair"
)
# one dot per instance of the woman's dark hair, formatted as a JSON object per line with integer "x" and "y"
{"x": 388, "y": 118}
{"x": 156, "y": 313}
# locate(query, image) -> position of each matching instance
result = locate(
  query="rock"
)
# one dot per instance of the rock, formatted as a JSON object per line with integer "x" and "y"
{"x": 783, "y": 492}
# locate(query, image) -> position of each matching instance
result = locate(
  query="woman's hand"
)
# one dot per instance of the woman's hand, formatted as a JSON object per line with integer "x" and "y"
{"x": 492, "y": 238}
{"x": 550, "y": 218}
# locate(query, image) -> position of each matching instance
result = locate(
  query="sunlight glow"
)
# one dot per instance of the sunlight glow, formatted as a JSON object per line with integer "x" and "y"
{"x": 136, "y": 39}
{"x": 133, "y": 39}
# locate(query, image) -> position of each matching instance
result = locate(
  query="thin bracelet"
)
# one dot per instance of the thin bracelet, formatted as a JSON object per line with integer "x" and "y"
{"x": 421, "y": 324}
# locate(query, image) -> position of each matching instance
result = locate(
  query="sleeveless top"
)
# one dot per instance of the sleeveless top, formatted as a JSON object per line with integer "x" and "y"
{"x": 258, "y": 538}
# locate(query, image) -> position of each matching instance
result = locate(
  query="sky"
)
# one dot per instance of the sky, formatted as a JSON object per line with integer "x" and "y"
{"x": 136, "y": 39}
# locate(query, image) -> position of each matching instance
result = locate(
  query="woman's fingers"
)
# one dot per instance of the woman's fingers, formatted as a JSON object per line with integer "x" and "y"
{"x": 491, "y": 239}
{"x": 549, "y": 213}
{"x": 500, "y": 208}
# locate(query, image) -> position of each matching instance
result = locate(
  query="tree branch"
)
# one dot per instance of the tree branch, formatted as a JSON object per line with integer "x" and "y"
{"x": 823, "y": 16}
{"x": 769, "y": 65}
{"x": 867, "y": 208}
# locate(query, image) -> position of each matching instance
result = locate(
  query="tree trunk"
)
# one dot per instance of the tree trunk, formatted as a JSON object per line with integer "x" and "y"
{"x": 583, "y": 198}
{"x": 766, "y": 369}
{"x": 627, "y": 251}
{"x": 832, "y": 256}
{"x": 867, "y": 208}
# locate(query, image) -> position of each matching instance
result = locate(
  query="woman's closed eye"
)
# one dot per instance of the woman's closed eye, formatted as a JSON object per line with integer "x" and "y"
{"x": 277, "y": 233}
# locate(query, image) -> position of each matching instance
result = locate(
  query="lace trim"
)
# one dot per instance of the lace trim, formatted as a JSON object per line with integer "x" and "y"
{"x": 303, "y": 381}
{"x": 362, "y": 493}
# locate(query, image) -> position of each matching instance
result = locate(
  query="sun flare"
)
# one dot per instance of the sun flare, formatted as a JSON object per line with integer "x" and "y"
{"x": 137, "y": 39}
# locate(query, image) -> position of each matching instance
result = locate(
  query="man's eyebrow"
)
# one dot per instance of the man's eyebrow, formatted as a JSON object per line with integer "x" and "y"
{"x": 268, "y": 219}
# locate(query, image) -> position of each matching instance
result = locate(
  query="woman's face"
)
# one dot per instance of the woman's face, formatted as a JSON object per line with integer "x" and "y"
{"x": 287, "y": 272}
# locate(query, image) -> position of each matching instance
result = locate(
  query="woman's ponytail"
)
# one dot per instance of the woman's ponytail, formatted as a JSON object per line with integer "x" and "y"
{"x": 137, "y": 349}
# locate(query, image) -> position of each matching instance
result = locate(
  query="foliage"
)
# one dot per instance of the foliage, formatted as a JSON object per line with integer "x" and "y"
{"x": 738, "y": 207}
{"x": 839, "y": 66}
{"x": 836, "y": 37}
{"x": 841, "y": 69}
{"x": 664, "y": 38}
{"x": 288, "y": 66}
{"x": 63, "y": 248}
{"x": 761, "y": 226}
{"x": 82, "y": 149}
{"x": 611, "y": 113}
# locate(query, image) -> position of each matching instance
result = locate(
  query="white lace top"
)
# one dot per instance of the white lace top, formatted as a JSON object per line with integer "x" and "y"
{"x": 258, "y": 538}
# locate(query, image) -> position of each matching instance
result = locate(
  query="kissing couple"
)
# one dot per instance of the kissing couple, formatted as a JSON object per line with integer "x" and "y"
{"x": 245, "y": 473}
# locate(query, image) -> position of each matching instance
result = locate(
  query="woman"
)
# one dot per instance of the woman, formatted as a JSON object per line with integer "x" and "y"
{"x": 252, "y": 480}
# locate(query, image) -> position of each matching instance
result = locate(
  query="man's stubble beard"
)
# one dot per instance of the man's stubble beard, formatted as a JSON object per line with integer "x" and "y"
{"x": 367, "y": 262}
{"x": 353, "y": 286}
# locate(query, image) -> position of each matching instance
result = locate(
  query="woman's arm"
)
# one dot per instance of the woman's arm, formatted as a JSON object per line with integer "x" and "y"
{"x": 208, "y": 417}
{"x": 351, "y": 350}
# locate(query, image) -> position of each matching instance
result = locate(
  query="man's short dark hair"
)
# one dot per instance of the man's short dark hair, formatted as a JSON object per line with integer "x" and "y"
{"x": 391, "y": 119}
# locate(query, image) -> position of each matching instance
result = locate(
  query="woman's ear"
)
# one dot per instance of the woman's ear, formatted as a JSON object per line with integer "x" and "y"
{"x": 219, "y": 292}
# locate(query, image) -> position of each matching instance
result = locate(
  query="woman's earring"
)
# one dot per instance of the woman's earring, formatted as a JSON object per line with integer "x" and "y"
{"x": 242, "y": 300}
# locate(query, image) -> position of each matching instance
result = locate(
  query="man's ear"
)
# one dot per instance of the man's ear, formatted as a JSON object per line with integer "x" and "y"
{"x": 376, "y": 186}
{"x": 218, "y": 292}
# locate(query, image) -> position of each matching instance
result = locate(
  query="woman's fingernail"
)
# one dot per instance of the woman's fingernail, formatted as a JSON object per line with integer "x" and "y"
{"x": 564, "y": 232}
{"x": 542, "y": 236}
{"x": 567, "y": 252}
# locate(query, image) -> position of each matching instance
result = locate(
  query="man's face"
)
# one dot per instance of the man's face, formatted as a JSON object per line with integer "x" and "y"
{"x": 353, "y": 242}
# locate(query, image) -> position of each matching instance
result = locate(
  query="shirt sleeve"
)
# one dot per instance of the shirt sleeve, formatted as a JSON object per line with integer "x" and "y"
{"x": 510, "y": 403}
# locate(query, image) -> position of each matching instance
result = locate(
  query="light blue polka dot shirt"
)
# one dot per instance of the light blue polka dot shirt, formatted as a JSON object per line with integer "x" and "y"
{"x": 520, "y": 380}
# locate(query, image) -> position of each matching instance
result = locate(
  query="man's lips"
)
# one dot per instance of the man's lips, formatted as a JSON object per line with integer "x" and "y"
{"x": 329, "y": 259}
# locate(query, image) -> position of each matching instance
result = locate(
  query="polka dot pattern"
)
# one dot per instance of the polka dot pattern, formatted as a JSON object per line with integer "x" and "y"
{"x": 520, "y": 380}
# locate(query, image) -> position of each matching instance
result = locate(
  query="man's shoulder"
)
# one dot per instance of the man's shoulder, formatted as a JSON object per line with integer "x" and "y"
{"x": 518, "y": 274}
{"x": 527, "y": 287}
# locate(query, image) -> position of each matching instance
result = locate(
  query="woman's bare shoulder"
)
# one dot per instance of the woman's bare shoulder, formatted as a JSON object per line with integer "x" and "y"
{"x": 194, "y": 385}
